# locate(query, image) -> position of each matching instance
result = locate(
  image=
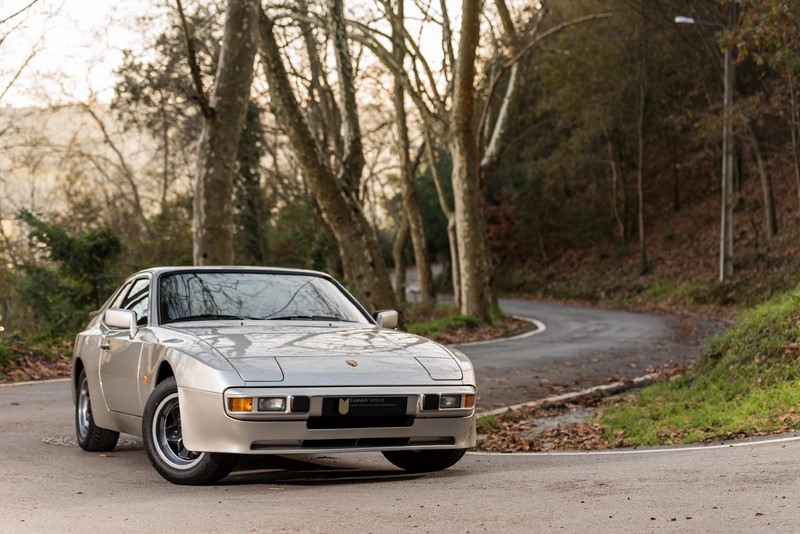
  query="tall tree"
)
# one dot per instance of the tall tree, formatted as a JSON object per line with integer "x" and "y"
{"x": 223, "y": 112}
{"x": 455, "y": 127}
{"x": 470, "y": 225}
{"x": 334, "y": 190}
{"x": 640, "y": 134}
{"x": 413, "y": 218}
{"x": 250, "y": 198}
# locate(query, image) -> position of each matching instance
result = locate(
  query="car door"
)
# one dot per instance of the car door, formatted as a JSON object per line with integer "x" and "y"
{"x": 121, "y": 354}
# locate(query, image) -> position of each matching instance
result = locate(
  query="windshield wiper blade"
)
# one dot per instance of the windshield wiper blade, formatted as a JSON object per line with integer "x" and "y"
{"x": 304, "y": 318}
{"x": 209, "y": 317}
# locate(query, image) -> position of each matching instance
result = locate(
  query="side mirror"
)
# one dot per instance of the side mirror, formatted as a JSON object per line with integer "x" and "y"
{"x": 121, "y": 320}
{"x": 386, "y": 318}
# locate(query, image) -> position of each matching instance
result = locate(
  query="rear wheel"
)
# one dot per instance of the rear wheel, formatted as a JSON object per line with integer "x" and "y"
{"x": 90, "y": 436}
{"x": 162, "y": 434}
{"x": 425, "y": 461}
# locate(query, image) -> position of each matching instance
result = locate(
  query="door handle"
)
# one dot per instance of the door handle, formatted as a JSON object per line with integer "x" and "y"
{"x": 105, "y": 346}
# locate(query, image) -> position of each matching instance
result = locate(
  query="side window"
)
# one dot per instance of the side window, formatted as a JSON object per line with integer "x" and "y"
{"x": 117, "y": 302}
{"x": 138, "y": 300}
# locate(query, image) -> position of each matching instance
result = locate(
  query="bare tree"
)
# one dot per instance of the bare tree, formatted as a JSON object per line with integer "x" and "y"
{"x": 413, "y": 216}
{"x": 224, "y": 113}
{"x": 334, "y": 190}
{"x": 447, "y": 116}
{"x": 642, "y": 75}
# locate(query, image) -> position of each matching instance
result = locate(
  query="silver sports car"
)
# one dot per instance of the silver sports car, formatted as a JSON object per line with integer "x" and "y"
{"x": 207, "y": 363}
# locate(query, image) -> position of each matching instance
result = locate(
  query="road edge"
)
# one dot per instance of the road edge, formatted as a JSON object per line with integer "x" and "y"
{"x": 540, "y": 328}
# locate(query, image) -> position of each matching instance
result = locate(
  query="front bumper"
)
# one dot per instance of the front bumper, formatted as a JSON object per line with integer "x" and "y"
{"x": 207, "y": 427}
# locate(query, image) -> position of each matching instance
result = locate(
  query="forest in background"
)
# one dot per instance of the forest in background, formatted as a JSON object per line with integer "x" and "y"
{"x": 606, "y": 184}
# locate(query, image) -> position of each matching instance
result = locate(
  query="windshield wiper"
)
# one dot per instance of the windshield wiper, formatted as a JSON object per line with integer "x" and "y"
{"x": 305, "y": 318}
{"x": 209, "y": 317}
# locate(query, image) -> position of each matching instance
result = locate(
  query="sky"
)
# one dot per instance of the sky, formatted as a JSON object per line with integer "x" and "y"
{"x": 79, "y": 43}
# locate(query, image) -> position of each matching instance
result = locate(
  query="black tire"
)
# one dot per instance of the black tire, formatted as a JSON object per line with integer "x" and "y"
{"x": 425, "y": 461}
{"x": 90, "y": 436}
{"x": 163, "y": 440}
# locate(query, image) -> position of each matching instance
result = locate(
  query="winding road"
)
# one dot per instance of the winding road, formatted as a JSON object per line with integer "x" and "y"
{"x": 579, "y": 348}
{"x": 48, "y": 485}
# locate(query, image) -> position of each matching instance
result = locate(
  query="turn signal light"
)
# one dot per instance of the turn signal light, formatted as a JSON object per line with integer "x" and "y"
{"x": 469, "y": 401}
{"x": 241, "y": 405}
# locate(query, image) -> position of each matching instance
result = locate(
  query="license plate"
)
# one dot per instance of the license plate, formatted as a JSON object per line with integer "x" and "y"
{"x": 364, "y": 406}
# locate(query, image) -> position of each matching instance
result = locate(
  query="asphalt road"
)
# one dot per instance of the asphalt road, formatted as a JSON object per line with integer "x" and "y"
{"x": 47, "y": 484}
{"x": 580, "y": 348}
{"x": 56, "y": 487}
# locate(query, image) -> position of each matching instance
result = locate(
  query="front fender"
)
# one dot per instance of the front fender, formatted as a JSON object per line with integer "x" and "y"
{"x": 194, "y": 364}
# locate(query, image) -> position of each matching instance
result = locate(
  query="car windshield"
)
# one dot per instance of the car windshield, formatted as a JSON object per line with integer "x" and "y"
{"x": 197, "y": 296}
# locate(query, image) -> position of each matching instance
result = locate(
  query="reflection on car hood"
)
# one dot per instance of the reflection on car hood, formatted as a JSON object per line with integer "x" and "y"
{"x": 311, "y": 355}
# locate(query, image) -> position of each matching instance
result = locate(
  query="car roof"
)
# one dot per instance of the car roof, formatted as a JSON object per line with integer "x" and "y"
{"x": 228, "y": 268}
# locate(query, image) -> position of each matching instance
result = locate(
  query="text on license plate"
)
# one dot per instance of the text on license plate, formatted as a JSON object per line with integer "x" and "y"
{"x": 364, "y": 406}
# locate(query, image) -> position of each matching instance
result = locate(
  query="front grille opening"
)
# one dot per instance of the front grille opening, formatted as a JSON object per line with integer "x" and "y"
{"x": 339, "y": 422}
{"x": 352, "y": 443}
{"x": 432, "y": 441}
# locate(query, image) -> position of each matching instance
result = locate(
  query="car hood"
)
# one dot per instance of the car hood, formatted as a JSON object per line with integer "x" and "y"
{"x": 328, "y": 355}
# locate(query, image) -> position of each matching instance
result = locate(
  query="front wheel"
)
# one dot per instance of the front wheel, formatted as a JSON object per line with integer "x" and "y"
{"x": 90, "y": 436}
{"x": 163, "y": 439}
{"x": 425, "y": 461}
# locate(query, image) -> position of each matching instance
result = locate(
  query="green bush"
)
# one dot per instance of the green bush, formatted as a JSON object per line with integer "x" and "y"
{"x": 68, "y": 275}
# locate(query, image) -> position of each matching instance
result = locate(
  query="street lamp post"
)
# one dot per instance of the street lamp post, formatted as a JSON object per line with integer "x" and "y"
{"x": 726, "y": 210}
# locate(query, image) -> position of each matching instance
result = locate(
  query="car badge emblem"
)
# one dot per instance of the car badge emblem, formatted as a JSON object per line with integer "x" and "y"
{"x": 344, "y": 406}
{"x": 352, "y": 363}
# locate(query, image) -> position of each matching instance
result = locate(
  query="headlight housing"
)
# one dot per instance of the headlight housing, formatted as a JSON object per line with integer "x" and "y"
{"x": 272, "y": 404}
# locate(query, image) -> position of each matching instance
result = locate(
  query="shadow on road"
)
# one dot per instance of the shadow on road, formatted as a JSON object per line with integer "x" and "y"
{"x": 308, "y": 472}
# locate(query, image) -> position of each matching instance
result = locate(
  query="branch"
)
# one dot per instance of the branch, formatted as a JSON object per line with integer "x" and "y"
{"x": 494, "y": 145}
{"x": 191, "y": 53}
{"x": 19, "y": 72}
{"x": 552, "y": 31}
{"x": 353, "y": 157}
{"x": 126, "y": 171}
{"x": 24, "y": 9}
{"x": 285, "y": 106}
{"x": 437, "y": 180}
{"x": 435, "y": 122}
{"x": 415, "y": 54}
{"x": 447, "y": 37}
{"x": 508, "y": 24}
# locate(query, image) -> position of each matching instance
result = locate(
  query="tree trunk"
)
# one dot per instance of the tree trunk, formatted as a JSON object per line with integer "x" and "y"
{"x": 165, "y": 170}
{"x": 399, "y": 255}
{"x": 410, "y": 203}
{"x": 361, "y": 253}
{"x": 770, "y": 219}
{"x": 726, "y": 208}
{"x": 452, "y": 238}
{"x": 794, "y": 122}
{"x": 353, "y": 153}
{"x": 470, "y": 225}
{"x": 614, "y": 168}
{"x": 219, "y": 140}
{"x": 643, "y": 266}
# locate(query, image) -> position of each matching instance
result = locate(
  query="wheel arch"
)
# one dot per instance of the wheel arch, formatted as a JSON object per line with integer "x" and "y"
{"x": 77, "y": 368}
{"x": 164, "y": 371}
